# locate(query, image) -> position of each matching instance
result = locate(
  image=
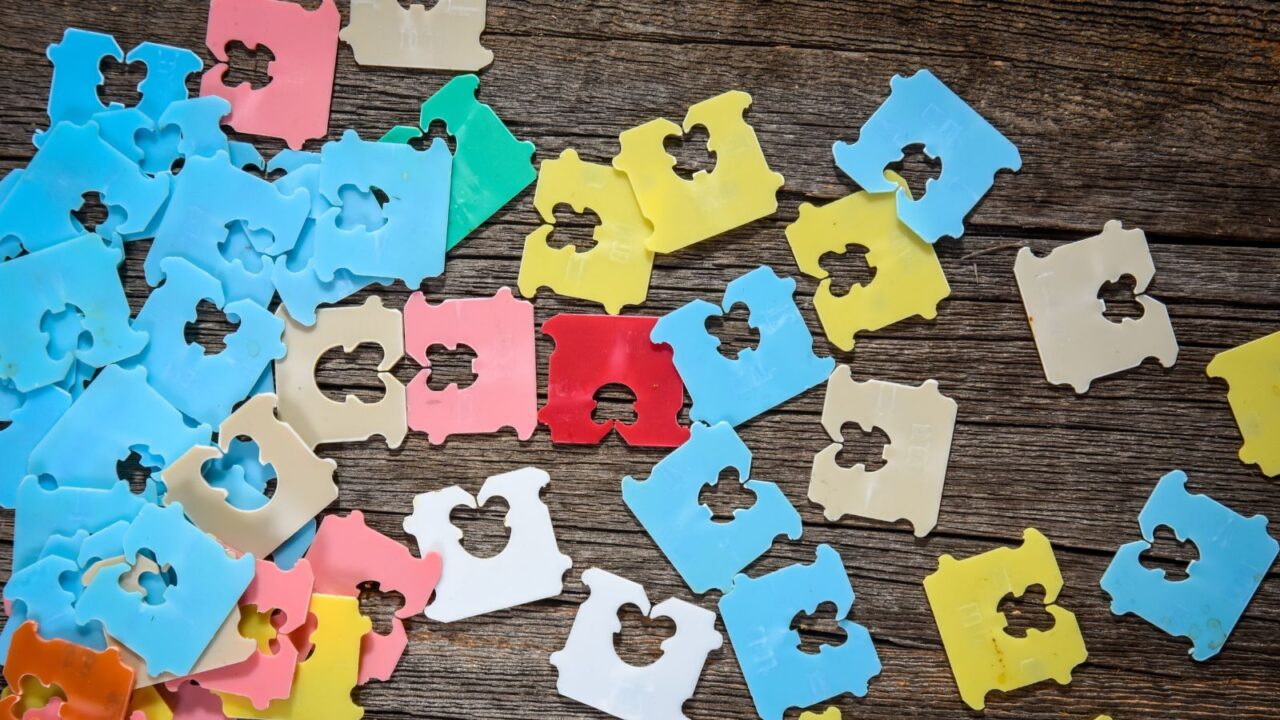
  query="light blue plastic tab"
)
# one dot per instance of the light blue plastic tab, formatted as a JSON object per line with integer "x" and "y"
{"x": 734, "y": 391}
{"x": 212, "y": 201}
{"x": 47, "y": 592}
{"x": 184, "y": 129}
{"x": 29, "y": 423}
{"x": 171, "y": 635}
{"x": 118, "y": 414}
{"x": 74, "y": 160}
{"x": 241, "y": 473}
{"x": 705, "y": 552}
{"x": 166, "y": 81}
{"x": 77, "y": 73}
{"x": 409, "y": 244}
{"x": 758, "y": 613}
{"x": 44, "y": 513}
{"x": 1235, "y": 554}
{"x": 921, "y": 110}
{"x": 81, "y": 275}
{"x": 204, "y": 387}
{"x": 300, "y": 287}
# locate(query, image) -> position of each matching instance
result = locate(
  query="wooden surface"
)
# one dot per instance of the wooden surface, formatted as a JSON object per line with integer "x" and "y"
{"x": 1165, "y": 116}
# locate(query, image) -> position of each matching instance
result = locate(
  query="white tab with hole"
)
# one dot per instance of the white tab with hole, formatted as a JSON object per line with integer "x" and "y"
{"x": 919, "y": 422}
{"x": 444, "y": 37}
{"x": 531, "y": 566}
{"x": 591, "y": 672}
{"x": 1077, "y": 343}
{"x": 315, "y": 417}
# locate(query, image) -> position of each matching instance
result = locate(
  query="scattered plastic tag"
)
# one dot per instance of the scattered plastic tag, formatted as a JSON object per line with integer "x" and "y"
{"x": 965, "y": 595}
{"x": 593, "y": 351}
{"x": 445, "y": 36}
{"x": 531, "y": 566}
{"x": 410, "y": 242}
{"x": 347, "y": 553}
{"x": 28, "y": 424}
{"x": 315, "y": 417}
{"x": 1077, "y": 343}
{"x": 923, "y": 111}
{"x": 758, "y": 613}
{"x": 1235, "y": 554}
{"x": 591, "y": 672}
{"x": 908, "y": 277}
{"x": 741, "y": 187}
{"x": 830, "y": 713}
{"x": 36, "y": 593}
{"x": 505, "y": 391}
{"x": 1253, "y": 372}
{"x": 267, "y": 675}
{"x": 96, "y": 684}
{"x": 170, "y": 636}
{"x": 304, "y": 485}
{"x": 919, "y": 422}
{"x": 734, "y": 391}
{"x": 80, "y": 275}
{"x": 323, "y": 683}
{"x": 42, "y": 514}
{"x": 204, "y": 387}
{"x": 81, "y": 450}
{"x": 490, "y": 166}
{"x": 709, "y": 553}
{"x": 615, "y": 270}
{"x": 294, "y": 104}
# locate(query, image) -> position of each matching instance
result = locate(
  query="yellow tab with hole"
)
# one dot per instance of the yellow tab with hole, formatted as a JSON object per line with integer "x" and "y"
{"x": 964, "y": 596}
{"x": 908, "y": 277}
{"x": 149, "y": 702}
{"x": 1253, "y": 372}
{"x": 830, "y": 713}
{"x": 615, "y": 271}
{"x": 739, "y": 189}
{"x": 323, "y": 683}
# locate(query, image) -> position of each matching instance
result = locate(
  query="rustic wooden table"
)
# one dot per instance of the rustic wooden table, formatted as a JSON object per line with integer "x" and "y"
{"x": 1163, "y": 115}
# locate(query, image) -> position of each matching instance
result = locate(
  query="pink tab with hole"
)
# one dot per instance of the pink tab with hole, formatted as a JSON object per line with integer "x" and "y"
{"x": 264, "y": 676}
{"x": 505, "y": 392}
{"x": 346, "y": 553}
{"x": 189, "y": 701}
{"x": 294, "y": 105}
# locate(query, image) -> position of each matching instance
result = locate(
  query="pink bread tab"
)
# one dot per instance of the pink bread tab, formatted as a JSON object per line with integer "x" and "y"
{"x": 346, "y": 553}
{"x": 294, "y": 105}
{"x": 189, "y": 701}
{"x": 264, "y": 677}
{"x": 505, "y": 393}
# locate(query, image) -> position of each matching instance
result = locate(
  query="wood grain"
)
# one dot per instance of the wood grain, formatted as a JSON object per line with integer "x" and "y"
{"x": 1161, "y": 114}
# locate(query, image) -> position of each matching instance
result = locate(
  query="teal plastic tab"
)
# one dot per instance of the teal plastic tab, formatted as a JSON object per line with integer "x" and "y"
{"x": 709, "y": 553}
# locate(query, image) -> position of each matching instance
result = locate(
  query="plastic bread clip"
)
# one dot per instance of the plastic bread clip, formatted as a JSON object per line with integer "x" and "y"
{"x": 28, "y": 424}
{"x": 315, "y": 417}
{"x": 758, "y": 613}
{"x": 531, "y": 566}
{"x": 591, "y": 672}
{"x": 172, "y": 635}
{"x": 444, "y": 37}
{"x": 96, "y": 684}
{"x": 965, "y": 595}
{"x": 80, "y": 274}
{"x": 593, "y": 351}
{"x": 294, "y": 105}
{"x": 741, "y": 188}
{"x": 505, "y": 391}
{"x": 323, "y": 683}
{"x": 922, "y": 110}
{"x": 1076, "y": 342}
{"x": 42, "y": 514}
{"x": 304, "y": 482}
{"x": 1235, "y": 554}
{"x": 919, "y": 422}
{"x": 1253, "y": 372}
{"x": 347, "y": 553}
{"x": 490, "y": 166}
{"x": 707, "y": 553}
{"x": 830, "y": 713}
{"x": 204, "y": 387}
{"x": 761, "y": 378}
{"x": 267, "y": 674}
{"x": 615, "y": 271}
{"x": 908, "y": 277}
